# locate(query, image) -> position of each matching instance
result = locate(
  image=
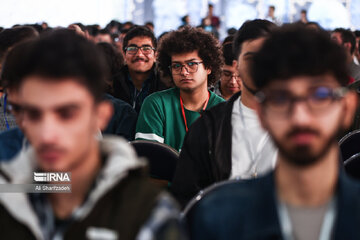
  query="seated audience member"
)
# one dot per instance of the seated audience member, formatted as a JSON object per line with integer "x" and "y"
{"x": 150, "y": 26}
{"x": 357, "y": 49}
{"x": 228, "y": 141}
{"x": 193, "y": 59}
{"x": 301, "y": 75}
{"x": 123, "y": 120}
{"x": 104, "y": 36}
{"x": 347, "y": 40}
{"x": 230, "y": 81}
{"x": 138, "y": 78}
{"x": 60, "y": 78}
{"x": 314, "y": 25}
{"x": 8, "y": 39}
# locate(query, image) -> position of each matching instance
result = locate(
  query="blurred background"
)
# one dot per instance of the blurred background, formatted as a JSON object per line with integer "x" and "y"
{"x": 167, "y": 14}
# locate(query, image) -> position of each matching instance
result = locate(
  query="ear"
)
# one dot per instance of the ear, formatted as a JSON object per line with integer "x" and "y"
{"x": 235, "y": 64}
{"x": 208, "y": 71}
{"x": 104, "y": 111}
{"x": 351, "y": 104}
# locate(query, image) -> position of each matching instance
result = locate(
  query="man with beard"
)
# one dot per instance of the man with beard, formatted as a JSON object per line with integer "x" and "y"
{"x": 303, "y": 105}
{"x": 138, "y": 78}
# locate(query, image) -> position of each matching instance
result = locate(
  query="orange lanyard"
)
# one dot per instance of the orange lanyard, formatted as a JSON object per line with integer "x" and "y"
{"x": 183, "y": 110}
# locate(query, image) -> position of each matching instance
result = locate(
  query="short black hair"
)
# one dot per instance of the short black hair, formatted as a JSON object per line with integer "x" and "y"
{"x": 251, "y": 30}
{"x": 228, "y": 53}
{"x": 139, "y": 31}
{"x": 11, "y": 36}
{"x": 347, "y": 36}
{"x": 189, "y": 39}
{"x": 357, "y": 33}
{"x": 57, "y": 55}
{"x": 295, "y": 50}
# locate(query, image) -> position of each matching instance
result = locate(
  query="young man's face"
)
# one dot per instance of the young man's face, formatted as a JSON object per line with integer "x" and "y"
{"x": 248, "y": 50}
{"x": 336, "y": 36}
{"x": 305, "y": 129}
{"x": 61, "y": 121}
{"x": 188, "y": 71}
{"x": 140, "y": 62}
{"x": 230, "y": 80}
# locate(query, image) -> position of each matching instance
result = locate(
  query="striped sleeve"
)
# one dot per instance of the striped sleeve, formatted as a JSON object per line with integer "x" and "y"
{"x": 150, "y": 124}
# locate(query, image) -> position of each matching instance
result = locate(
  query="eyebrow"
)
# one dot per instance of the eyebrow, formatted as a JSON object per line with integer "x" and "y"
{"x": 190, "y": 60}
{"x": 249, "y": 53}
{"x": 144, "y": 45}
{"x": 29, "y": 107}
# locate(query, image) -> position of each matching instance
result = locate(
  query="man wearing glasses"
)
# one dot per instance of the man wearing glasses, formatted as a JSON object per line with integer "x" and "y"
{"x": 302, "y": 103}
{"x": 230, "y": 82}
{"x": 193, "y": 59}
{"x": 228, "y": 141}
{"x": 138, "y": 78}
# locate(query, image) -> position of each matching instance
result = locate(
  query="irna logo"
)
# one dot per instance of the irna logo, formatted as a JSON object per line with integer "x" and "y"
{"x": 52, "y": 177}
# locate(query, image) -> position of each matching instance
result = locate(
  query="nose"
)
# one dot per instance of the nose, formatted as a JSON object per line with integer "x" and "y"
{"x": 184, "y": 70}
{"x": 48, "y": 130}
{"x": 233, "y": 79}
{"x": 300, "y": 114}
{"x": 139, "y": 52}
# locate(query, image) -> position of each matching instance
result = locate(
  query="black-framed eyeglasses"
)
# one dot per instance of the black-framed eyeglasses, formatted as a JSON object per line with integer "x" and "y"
{"x": 280, "y": 103}
{"x": 227, "y": 75}
{"x": 132, "y": 50}
{"x": 191, "y": 67}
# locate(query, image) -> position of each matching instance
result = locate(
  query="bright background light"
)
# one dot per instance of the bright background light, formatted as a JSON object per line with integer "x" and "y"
{"x": 166, "y": 14}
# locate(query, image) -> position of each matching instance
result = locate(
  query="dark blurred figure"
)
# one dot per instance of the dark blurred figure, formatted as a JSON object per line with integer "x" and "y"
{"x": 8, "y": 39}
{"x": 104, "y": 36}
{"x": 114, "y": 27}
{"x": 123, "y": 120}
{"x": 185, "y": 21}
{"x": 231, "y": 31}
{"x": 347, "y": 40}
{"x": 314, "y": 25}
{"x": 303, "y": 17}
{"x": 149, "y": 25}
{"x": 357, "y": 49}
{"x": 214, "y": 20}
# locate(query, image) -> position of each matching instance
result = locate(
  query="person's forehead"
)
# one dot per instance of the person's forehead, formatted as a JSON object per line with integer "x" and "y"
{"x": 252, "y": 45}
{"x": 43, "y": 93}
{"x": 183, "y": 57}
{"x": 229, "y": 68}
{"x": 139, "y": 41}
{"x": 301, "y": 84}
{"x": 336, "y": 35}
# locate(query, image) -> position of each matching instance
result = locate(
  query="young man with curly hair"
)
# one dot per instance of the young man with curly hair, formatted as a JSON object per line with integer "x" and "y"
{"x": 193, "y": 59}
{"x": 228, "y": 141}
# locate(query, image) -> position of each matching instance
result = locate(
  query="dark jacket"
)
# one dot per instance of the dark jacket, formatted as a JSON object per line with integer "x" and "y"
{"x": 247, "y": 210}
{"x": 123, "y": 120}
{"x": 121, "y": 200}
{"x": 205, "y": 157}
{"x": 124, "y": 89}
{"x": 11, "y": 142}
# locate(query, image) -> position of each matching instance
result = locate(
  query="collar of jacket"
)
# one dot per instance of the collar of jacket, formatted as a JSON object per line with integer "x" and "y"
{"x": 120, "y": 159}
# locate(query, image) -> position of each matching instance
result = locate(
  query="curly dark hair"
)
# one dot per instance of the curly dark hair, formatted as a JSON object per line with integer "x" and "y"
{"x": 189, "y": 39}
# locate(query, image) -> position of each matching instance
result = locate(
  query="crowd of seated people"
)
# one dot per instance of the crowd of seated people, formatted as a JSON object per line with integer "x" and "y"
{"x": 254, "y": 121}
